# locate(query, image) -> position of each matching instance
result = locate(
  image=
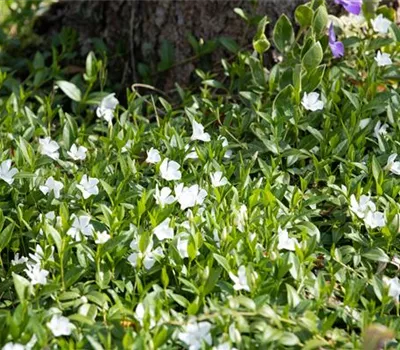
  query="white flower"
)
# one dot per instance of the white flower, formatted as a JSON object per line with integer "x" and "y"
{"x": 394, "y": 287}
{"x": 18, "y": 260}
{"x": 241, "y": 218}
{"x": 102, "y": 237}
{"x": 383, "y": 59}
{"x": 192, "y": 153}
{"x": 182, "y": 245}
{"x": 13, "y": 346}
{"x": 77, "y": 153}
{"x": 149, "y": 256}
{"x": 381, "y": 24}
{"x": 164, "y": 231}
{"x": 217, "y": 179}
{"x": 60, "y": 325}
{"x": 380, "y": 129}
{"x": 198, "y": 132}
{"x": 153, "y": 156}
{"x": 49, "y": 148}
{"x": 311, "y": 101}
{"x": 188, "y": 197}
{"x": 241, "y": 279}
{"x": 88, "y": 186}
{"x": 284, "y": 242}
{"x": 6, "y": 172}
{"x": 374, "y": 219}
{"x": 36, "y": 274}
{"x": 361, "y": 207}
{"x": 169, "y": 170}
{"x": 107, "y": 107}
{"x": 164, "y": 196}
{"x": 195, "y": 334}
{"x": 140, "y": 314}
{"x": 393, "y": 166}
{"x": 52, "y": 185}
{"x": 225, "y": 144}
{"x": 80, "y": 225}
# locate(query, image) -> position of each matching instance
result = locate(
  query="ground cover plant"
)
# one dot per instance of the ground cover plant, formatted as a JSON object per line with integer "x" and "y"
{"x": 260, "y": 211}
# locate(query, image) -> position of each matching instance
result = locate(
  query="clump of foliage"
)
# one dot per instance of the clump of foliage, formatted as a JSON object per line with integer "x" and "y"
{"x": 260, "y": 212}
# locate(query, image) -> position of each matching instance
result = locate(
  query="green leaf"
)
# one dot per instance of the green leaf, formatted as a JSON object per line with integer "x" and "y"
{"x": 70, "y": 131}
{"x": 22, "y": 286}
{"x": 283, "y": 34}
{"x": 260, "y": 41}
{"x": 313, "y": 56}
{"x": 5, "y": 236}
{"x": 320, "y": 20}
{"x": 223, "y": 262}
{"x": 70, "y": 89}
{"x": 167, "y": 55}
{"x": 303, "y": 15}
{"x": 376, "y": 254}
{"x": 230, "y": 44}
{"x": 55, "y": 235}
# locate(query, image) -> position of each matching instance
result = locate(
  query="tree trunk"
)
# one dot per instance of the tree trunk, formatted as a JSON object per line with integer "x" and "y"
{"x": 139, "y": 33}
{"x": 136, "y": 31}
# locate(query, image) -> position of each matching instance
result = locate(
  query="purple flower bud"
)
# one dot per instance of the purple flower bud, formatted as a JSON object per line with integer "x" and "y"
{"x": 337, "y": 47}
{"x": 352, "y": 6}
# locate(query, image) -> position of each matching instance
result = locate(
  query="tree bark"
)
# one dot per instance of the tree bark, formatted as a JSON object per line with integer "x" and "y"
{"x": 135, "y": 31}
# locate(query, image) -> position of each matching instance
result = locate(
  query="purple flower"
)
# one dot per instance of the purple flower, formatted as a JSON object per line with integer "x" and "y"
{"x": 352, "y": 6}
{"x": 337, "y": 47}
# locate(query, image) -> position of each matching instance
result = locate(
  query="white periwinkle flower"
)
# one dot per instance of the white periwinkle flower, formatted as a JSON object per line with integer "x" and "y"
{"x": 88, "y": 186}
{"x": 392, "y": 165}
{"x": 107, "y": 107}
{"x": 312, "y": 102}
{"x": 164, "y": 196}
{"x": 182, "y": 245}
{"x": 60, "y": 326}
{"x": 240, "y": 280}
{"x": 149, "y": 256}
{"x": 241, "y": 218}
{"x": 188, "y": 197}
{"x": 18, "y": 260}
{"x": 394, "y": 287}
{"x": 102, "y": 237}
{"x": 374, "y": 219}
{"x": 361, "y": 207}
{"x": 6, "y": 172}
{"x": 218, "y": 180}
{"x": 52, "y": 185}
{"x": 381, "y": 24}
{"x": 13, "y": 346}
{"x": 284, "y": 242}
{"x": 169, "y": 170}
{"x": 195, "y": 334}
{"x": 383, "y": 59}
{"x": 36, "y": 274}
{"x": 225, "y": 143}
{"x": 49, "y": 148}
{"x": 380, "y": 129}
{"x": 164, "y": 231}
{"x": 198, "y": 132}
{"x": 153, "y": 156}
{"x": 80, "y": 225}
{"x": 77, "y": 153}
